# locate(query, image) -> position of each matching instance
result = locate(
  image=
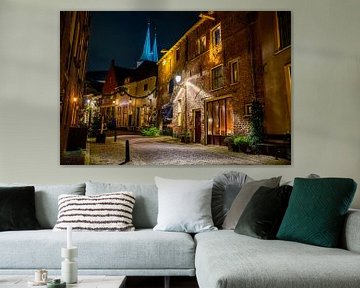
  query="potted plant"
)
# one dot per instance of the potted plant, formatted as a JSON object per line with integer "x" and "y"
{"x": 151, "y": 131}
{"x": 229, "y": 141}
{"x": 243, "y": 143}
{"x": 185, "y": 137}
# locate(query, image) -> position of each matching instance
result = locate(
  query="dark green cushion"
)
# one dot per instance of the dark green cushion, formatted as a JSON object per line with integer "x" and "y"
{"x": 316, "y": 211}
{"x": 17, "y": 208}
{"x": 264, "y": 213}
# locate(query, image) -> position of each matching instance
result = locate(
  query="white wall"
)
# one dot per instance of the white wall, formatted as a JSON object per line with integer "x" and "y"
{"x": 326, "y": 91}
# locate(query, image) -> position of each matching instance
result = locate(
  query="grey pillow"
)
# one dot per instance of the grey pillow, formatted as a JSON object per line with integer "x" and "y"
{"x": 310, "y": 176}
{"x": 242, "y": 199}
{"x": 226, "y": 187}
{"x": 146, "y": 204}
{"x": 263, "y": 214}
{"x": 46, "y": 200}
{"x": 184, "y": 205}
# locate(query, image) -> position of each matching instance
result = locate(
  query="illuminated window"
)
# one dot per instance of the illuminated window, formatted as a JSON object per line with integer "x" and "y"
{"x": 216, "y": 120}
{"x": 220, "y": 117}
{"x": 145, "y": 87}
{"x": 217, "y": 77}
{"x": 248, "y": 109}
{"x": 179, "y": 113}
{"x": 234, "y": 71}
{"x": 287, "y": 70}
{"x": 216, "y": 36}
{"x": 229, "y": 116}
{"x": 200, "y": 45}
{"x": 283, "y": 23}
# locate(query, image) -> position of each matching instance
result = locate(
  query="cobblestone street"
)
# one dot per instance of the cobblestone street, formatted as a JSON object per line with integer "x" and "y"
{"x": 166, "y": 150}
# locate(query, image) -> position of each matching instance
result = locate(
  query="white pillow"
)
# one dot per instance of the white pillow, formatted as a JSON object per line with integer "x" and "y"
{"x": 104, "y": 212}
{"x": 184, "y": 205}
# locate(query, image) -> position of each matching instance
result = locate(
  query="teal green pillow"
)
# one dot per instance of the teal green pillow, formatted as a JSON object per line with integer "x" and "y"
{"x": 316, "y": 211}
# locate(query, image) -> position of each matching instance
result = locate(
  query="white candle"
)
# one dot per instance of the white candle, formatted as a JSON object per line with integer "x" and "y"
{"x": 69, "y": 239}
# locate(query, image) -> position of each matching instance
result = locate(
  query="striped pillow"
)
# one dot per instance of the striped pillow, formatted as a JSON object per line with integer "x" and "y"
{"x": 105, "y": 212}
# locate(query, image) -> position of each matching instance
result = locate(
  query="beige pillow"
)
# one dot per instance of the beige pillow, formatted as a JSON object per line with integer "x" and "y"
{"x": 243, "y": 198}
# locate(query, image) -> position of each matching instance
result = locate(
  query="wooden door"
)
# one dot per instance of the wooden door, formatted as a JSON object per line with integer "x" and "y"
{"x": 197, "y": 126}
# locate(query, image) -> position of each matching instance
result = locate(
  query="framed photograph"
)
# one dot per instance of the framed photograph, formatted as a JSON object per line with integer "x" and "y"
{"x": 175, "y": 88}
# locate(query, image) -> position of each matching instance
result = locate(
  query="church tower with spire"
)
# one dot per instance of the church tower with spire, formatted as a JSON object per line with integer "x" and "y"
{"x": 131, "y": 92}
{"x": 148, "y": 54}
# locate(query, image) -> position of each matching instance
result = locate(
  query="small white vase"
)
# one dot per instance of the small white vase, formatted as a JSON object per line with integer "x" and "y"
{"x": 69, "y": 271}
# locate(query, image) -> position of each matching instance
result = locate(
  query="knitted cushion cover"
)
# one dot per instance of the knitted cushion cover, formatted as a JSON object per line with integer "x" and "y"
{"x": 105, "y": 212}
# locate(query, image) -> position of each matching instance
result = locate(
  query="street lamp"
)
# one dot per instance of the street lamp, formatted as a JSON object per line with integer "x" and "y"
{"x": 178, "y": 79}
{"x": 113, "y": 121}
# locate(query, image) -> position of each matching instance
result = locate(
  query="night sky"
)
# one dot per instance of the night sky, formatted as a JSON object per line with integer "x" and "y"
{"x": 121, "y": 35}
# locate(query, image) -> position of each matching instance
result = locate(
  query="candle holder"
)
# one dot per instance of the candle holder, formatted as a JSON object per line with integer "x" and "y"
{"x": 69, "y": 265}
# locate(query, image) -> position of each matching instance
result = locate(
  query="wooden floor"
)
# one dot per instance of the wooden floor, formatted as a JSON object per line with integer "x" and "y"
{"x": 158, "y": 282}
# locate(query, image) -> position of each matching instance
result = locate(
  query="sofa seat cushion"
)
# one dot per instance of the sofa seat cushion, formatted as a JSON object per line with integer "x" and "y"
{"x": 225, "y": 259}
{"x": 143, "y": 249}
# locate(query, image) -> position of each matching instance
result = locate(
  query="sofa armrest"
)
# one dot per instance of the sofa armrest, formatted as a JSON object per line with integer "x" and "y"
{"x": 351, "y": 234}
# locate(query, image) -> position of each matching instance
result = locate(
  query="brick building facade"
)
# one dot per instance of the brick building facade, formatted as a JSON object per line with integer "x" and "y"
{"x": 128, "y": 96}
{"x": 274, "y": 30}
{"x": 74, "y": 38}
{"x": 128, "y": 99}
{"x": 220, "y": 66}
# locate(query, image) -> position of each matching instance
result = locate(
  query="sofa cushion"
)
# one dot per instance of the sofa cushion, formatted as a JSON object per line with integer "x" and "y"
{"x": 184, "y": 205}
{"x": 243, "y": 198}
{"x": 291, "y": 182}
{"x": 46, "y": 200}
{"x": 146, "y": 205}
{"x": 226, "y": 187}
{"x": 17, "y": 208}
{"x": 317, "y": 209}
{"x": 105, "y": 212}
{"x": 225, "y": 259}
{"x": 141, "y": 250}
{"x": 351, "y": 237}
{"x": 263, "y": 214}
